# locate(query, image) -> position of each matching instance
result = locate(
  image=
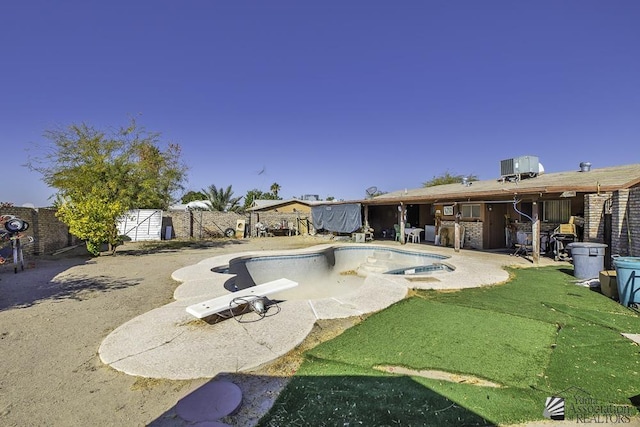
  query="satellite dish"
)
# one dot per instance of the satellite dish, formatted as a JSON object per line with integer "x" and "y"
{"x": 371, "y": 191}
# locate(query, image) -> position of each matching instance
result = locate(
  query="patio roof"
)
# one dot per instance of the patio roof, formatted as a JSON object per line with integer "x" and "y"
{"x": 593, "y": 181}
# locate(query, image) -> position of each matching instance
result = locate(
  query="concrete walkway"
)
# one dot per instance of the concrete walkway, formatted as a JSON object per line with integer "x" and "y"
{"x": 169, "y": 343}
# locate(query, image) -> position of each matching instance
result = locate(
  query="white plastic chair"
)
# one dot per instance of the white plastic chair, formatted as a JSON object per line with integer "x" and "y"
{"x": 415, "y": 235}
{"x": 261, "y": 230}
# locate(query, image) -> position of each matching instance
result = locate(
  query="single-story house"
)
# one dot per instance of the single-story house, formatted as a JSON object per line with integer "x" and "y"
{"x": 603, "y": 202}
{"x": 282, "y": 216}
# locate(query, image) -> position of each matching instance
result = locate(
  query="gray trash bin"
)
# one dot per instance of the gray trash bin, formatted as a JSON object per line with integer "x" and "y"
{"x": 588, "y": 259}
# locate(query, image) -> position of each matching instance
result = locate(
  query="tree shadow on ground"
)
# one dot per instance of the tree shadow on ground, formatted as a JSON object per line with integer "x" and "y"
{"x": 326, "y": 401}
{"x": 41, "y": 282}
{"x": 168, "y": 246}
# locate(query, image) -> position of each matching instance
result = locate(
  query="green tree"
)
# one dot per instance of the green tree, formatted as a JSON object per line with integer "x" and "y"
{"x": 92, "y": 218}
{"x": 222, "y": 200}
{"x": 116, "y": 170}
{"x": 448, "y": 178}
{"x": 192, "y": 196}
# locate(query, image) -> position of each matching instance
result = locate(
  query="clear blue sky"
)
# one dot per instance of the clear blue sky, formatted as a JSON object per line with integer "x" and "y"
{"x": 327, "y": 97}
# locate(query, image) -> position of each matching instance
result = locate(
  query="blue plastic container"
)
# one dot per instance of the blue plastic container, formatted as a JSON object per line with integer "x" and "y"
{"x": 628, "y": 278}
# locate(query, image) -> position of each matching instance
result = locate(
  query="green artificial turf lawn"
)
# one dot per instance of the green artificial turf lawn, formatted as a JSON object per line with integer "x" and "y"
{"x": 536, "y": 336}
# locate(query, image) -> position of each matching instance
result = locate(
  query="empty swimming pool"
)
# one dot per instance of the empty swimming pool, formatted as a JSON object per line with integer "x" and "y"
{"x": 330, "y": 272}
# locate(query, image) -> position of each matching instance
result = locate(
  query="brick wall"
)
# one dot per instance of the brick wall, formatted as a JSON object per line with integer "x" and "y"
{"x": 625, "y": 221}
{"x": 619, "y": 240}
{"x": 50, "y": 234}
{"x": 210, "y": 224}
{"x": 634, "y": 220}
{"x": 200, "y": 224}
{"x": 594, "y": 209}
{"x": 472, "y": 233}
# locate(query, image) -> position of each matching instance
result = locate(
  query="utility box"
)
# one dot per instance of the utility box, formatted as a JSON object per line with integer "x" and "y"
{"x": 608, "y": 284}
{"x": 240, "y": 227}
{"x": 529, "y": 166}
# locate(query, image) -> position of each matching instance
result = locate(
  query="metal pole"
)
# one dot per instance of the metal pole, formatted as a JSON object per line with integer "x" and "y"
{"x": 402, "y": 214}
{"x": 456, "y": 233}
{"x": 535, "y": 233}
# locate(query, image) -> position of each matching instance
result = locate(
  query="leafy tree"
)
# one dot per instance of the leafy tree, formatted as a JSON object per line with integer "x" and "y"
{"x": 222, "y": 200}
{"x": 256, "y": 194}
{"x": 447, "y": 178}
{"x": 192, "y": 196}
{"x": 114, "y": 171}
{"x": 92, "y": 218}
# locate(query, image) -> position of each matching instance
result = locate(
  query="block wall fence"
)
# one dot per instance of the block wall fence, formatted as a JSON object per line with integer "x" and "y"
{"x": 49, "y": 233}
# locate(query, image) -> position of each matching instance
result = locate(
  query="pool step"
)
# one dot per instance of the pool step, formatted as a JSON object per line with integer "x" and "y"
{"x": 379, "y": 262}
{"x": 381, "y": 254}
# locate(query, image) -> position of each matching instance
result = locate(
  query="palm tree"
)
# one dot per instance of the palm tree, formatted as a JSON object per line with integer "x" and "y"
{"x": 275, "y": 187}
{"x": 222, "y": 200}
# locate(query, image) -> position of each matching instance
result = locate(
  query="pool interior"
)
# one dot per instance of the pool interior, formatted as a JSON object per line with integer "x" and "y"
{"x": 330, "y": 272}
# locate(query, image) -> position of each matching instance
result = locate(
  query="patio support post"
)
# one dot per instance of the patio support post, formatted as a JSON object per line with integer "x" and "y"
{"x": 366, "y": 218}
{"x": 402, "y": 212}
{"x": 456, "y": 233}
{"x": 535, "y": 232}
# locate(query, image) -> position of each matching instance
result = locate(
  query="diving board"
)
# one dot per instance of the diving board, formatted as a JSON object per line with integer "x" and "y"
{"x": 226, "y": 302}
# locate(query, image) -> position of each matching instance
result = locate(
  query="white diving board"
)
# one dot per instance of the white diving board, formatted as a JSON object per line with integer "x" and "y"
{"x": 226, "y": 302}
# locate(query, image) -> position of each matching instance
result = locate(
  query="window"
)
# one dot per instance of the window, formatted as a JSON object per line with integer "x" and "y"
{"x": 470, "y": 211}
{"x": 557, "y": 211}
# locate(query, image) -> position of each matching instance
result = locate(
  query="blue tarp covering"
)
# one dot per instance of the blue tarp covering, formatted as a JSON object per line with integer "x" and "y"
{"x": 345, "y": 218}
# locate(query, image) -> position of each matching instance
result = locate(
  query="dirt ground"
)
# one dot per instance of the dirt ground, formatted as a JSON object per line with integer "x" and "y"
{"x": 55, "y": 314}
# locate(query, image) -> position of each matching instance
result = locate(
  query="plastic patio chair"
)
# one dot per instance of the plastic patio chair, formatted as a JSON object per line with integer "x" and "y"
{"x": 396, "y": 227}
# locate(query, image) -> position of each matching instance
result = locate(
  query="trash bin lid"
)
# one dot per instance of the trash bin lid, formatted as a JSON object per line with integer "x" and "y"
{"x": 586, "y": 248}
{"x": 586, "y": 245}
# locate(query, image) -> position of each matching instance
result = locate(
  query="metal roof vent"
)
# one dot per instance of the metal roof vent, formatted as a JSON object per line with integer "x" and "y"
{"x": 585, "y": 166}
{"x": 465, "y": 181}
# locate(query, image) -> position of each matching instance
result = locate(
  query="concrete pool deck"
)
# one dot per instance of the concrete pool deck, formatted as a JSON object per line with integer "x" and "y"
{"x": 169, "y": 343}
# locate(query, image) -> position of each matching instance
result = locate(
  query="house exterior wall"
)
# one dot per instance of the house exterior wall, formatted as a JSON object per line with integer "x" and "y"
{"x": 293, "y": 207}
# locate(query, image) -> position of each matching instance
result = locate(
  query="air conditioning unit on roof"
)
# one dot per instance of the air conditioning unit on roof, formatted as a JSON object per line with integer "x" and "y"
{"x": 521, "y": 167}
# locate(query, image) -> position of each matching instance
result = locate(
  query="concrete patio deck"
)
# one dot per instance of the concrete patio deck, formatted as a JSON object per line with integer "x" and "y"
{"x": 169, "y": 343}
